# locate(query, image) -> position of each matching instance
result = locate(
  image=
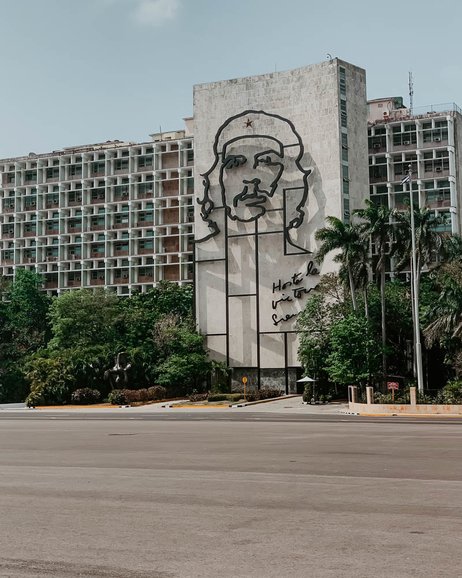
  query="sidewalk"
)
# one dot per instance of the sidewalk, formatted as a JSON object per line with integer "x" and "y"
{"x": 293, "y": 405}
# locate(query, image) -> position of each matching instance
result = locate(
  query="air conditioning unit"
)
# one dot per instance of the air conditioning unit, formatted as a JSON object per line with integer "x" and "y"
{"x": 438, "y": 169}
{"x": 437, "y": 139}
{"x": 377, "y": 145}
{"x": 406, "y": 142}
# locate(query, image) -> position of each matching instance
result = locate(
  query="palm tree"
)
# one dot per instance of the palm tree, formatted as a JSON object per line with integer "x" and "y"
{"x": 346, "y": 238}
{"x": 376, "y": 225}
{"x": 428, "y": 242}
{"x": 445, "y": 316}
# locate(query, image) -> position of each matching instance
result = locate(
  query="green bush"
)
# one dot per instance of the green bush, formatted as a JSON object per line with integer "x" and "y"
{"x": 451, "y": 393}
{"x": 308, "y": 392}
{"x": 51, "y": 380}
{"x": 33, "y": 399}
{"x": 85, "y": 395}
{"x": 118, "y": 397}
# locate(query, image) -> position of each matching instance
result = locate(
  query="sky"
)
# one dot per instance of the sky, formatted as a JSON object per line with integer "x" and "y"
{"x": 86, "y": 71}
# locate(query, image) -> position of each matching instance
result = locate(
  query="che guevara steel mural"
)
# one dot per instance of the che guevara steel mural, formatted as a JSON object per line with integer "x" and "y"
{"x": 255, "y": 208}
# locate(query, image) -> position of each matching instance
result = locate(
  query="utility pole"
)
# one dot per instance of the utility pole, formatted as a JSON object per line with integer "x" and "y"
{"x": 418, "y": 346}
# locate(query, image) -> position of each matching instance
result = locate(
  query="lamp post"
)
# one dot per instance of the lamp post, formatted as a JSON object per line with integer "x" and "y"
{"x": 418, "y": 346}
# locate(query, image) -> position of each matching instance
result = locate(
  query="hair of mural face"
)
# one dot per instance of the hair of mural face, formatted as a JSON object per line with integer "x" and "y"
{"x": 249, "y": 163}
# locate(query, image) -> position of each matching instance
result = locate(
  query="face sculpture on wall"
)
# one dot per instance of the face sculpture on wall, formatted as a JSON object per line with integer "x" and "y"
{"x": 257, "y": 156}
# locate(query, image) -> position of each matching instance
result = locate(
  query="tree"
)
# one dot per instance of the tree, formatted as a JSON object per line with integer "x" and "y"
{"x": 376, "y": 226}
{"x": 23, "y": 330}
{"x": 428, "y": 242}
{"x": 321, "y": 311}
{"x": 354, "y": 353}
{"x": 445, "y": 316}
{"x": 183, "y": 363}
{"x": 346, "y": 238}
{"x": 26, "y": 312}
{"x": 85, "y": 318}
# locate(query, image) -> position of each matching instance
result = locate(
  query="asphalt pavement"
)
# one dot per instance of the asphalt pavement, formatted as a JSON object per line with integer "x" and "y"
{"x": 196, "y": 494}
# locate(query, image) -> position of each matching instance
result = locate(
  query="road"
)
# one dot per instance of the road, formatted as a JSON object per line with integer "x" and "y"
{"x": 222, "y": 494}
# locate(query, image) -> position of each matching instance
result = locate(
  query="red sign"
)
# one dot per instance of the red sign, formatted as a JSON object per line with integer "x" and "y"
{"x": 392, "y": 385}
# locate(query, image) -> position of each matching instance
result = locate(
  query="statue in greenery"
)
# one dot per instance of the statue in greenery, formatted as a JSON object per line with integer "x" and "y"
{"x": 118, "y": 375}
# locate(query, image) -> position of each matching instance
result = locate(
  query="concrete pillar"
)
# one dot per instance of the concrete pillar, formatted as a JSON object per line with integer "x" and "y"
{"x": 353, "y": 394}
{"x": 413, "y": 395}
{"x": 370, "y": 395}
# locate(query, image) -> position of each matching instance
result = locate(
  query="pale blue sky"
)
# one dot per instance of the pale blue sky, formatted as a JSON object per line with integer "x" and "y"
{"x": 83, "y": 71}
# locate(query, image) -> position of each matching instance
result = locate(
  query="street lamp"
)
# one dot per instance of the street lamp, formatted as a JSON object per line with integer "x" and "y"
{"x": 418, "y": 346}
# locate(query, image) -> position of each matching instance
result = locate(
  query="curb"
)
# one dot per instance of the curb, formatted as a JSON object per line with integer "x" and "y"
{"x": 247, "y": 403}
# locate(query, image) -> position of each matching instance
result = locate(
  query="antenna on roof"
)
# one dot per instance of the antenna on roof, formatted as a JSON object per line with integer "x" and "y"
{"x": 411, "y": 93}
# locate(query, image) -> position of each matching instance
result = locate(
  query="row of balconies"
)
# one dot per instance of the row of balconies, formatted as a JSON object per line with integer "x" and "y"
{"x": 390, "y": 175}
{"x": 39, "y": 177}
{"x": 170, "y": 272}
{"x": 93, "y": 169}
{"x": 173, "y": 249}
{"x": 93, "y": 197}
{"x": 30, "y": 229}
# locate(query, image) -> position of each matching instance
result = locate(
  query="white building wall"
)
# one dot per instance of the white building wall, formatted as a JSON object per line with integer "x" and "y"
{"x": 252, "y": 269}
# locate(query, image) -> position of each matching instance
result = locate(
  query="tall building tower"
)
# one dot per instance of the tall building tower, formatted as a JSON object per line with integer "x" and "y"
{"x": 275, "y": 154}
{"x": 430, "y": 140}
{"x": 116, "y": 214}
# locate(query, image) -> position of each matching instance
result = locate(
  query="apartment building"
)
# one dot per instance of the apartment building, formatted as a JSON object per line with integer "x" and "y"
{"x": 430, "y": 140}
{"x": 116, "y": 214}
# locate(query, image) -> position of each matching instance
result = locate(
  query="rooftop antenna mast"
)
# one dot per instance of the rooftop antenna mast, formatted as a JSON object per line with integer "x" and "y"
{"x": 411, "y": 93}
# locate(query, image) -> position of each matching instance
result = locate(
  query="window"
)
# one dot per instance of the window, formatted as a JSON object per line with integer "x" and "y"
{"x": 121, "y": 165}
{"x": 52, "y": 173}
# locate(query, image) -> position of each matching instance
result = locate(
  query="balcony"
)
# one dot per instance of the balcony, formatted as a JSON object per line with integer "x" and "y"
{"x": 121, "y": 280}
{"x": 171, "y": 273}
{"x": 146, "y": 278}
{"x": 97, "y": 281}
{"x": 438, "y": 203}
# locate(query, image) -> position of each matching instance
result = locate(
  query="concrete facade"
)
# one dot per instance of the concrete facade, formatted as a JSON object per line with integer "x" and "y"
{"x": 428, "y": 138}
{"x": 116, "y": 214}
{"x": 275, "y": 155}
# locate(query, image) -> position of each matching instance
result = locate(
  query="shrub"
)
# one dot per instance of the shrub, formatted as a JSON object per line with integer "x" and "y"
{"x": 34, "y": 398}
{"x": 308, "y": 392}
{"x": 86, "y": 395}
{"x": 157, "y": 392}
{"x": 265, "y": 393}
{"x": 269, "y": 393}
{"x": 195, "y": 396}
{"x": 451, "y": 393}
{"x": 233, "y": 397}
{"x": 118, "y": 397}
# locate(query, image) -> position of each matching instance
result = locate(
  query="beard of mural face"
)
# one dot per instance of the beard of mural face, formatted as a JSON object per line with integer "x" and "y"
{"x": 249, "y": 176}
